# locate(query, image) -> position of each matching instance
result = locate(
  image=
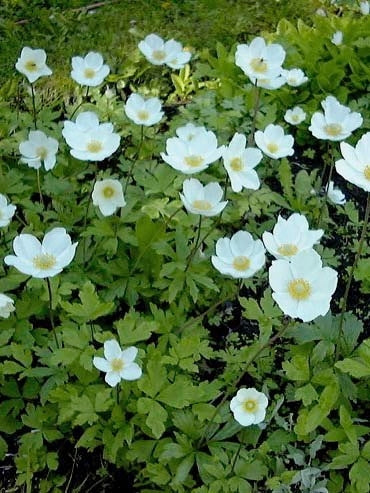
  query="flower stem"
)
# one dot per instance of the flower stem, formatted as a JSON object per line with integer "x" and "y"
{"x": 33, "y": 107}
{"x": 236, "y": 457}
{"x": 85, "y": 222}
{"x": 196, "y": 244}
{"x": 357, "y": 257}
{"x": 39, "y": 186}
{"x": 129, "y": 174}
{"x": 79, "y": 105}
{"x": 331, "y": 169}
{"x": 257, "y": 92}
{"x": 51, "y": 312}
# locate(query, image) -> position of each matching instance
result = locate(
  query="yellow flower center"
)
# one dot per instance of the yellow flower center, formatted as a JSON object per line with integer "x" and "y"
{"x": 44, "y": 261}
{"x": 295, "y": 118}
{"x": 41, "y": 152}
{"x": 117, "y": 364}
{"x": 258, "y": 65}
{"x": 159, "y": 55}
{"x": 89, "y": 73}
{"x": 194, "y": 161}
{"x": 333, "y": 129}
{"x": 299, "y": 289}
{"x": 1, "y": 215}
{"x": 143, "y": 115}
{"x": 108, "y": 192}
{"x": 272, "y": 147}
{"x": 250, "y": 406}
{"x": 367, "y": 172}
{"x": 202, "y": 205}
{"x": 31, "y": 66}
{"x": 241, "y": 263}
{"x": 236, "y": 164}
{"x": 94, "y": 146}
{"x": 288, "y": 249}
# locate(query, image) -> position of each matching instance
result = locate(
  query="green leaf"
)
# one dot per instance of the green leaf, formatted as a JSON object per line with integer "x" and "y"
{"x": 90, "y": 307}
{"x": 157, "y": 415}
{"x": 132, "y": 328}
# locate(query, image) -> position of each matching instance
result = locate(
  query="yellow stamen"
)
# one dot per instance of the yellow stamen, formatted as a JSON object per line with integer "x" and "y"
{"x": 250, "y": 405}
{"x": 89, "y": 73}
{"x": 159, "y": 55}
{"x": 333, "y": 129}
{"x": 143, "y": 115}
{"x": 44, "y": 261}
{"x": 117, "y": 364}
{"x": 108, "y": 192}
{"x": 41, "y": 153}
{"x": 288, "y": 249}
{"x": 31, "y": 66}
{"x": 194, "y": 161}
{"x": 272, "y": 147}
{"x": 241, "y": 263}
{"x": 94, "y": 146}
{"x": 367, "y": 172}
{"x": 202, "y": 205}
{"x": 258, "y": 65}
{"x": 299, "y": 289}
{"x": 236, "y": 164}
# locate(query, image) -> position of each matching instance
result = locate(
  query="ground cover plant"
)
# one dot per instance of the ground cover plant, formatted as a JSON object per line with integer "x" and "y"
{"x": 185, "y": 263}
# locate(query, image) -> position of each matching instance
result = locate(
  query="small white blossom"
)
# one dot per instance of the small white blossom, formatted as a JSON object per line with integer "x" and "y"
{"x": 44, "y": 259}
{"x": 355, "y": 167}
{"x": 118, "y": 364}
{"x": 249, "y": 406}
{"x": 108, "y": 196}
{"x": 270, "y": 84}
{"x": 90, "y": 70}
{"x": 38, "y": 149}
{"x": 160, "y": 52}
{"x": 189, "y": 131}
{"x": 239, "y": 162}
{"x": 335, "y": 195}
{"x": 302, "y": 287}
{"x": 337, "y": 38}
{"x": 295, "y": 116}
{"x": 7, "y": 211}
{"x": 365, "y": 8}
{"x": 203, "y": 200}
{"x": 142, "y": 111}
{"x": 294, "y": 77}
{"x": 32, "y": 64}
{"x": 336, "y": 123}
{"x": 273, "y": 142}
{"x": 6, "y": 306}
{"x": 239, "y": 257}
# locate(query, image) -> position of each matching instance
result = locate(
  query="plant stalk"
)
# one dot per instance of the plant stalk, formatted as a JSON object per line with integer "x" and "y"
{"x": 51, "y": 312}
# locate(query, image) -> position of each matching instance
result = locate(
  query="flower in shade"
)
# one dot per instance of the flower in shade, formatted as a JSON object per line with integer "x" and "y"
{"x": 355, "y": 167}
{"x": 203, "y": 200}
{"x": 38, "y": 149}
{"x": 6, "y": 306}
{"x": 303, "y": 287}
{"x": 44, "y": 259}
{"x": 194, "y": 154}
{"x": 249, "y": 406}
{"x": 295, "y": 116}
{"x": 7, "y": 211}
{"x": 335, "y": 195}
{"x": 32, "y": 64}
{"x": 294, "y": 77}
{"x": 90, "y": 140}
{"x": 273, "y": 142}
{"x": 337, "y": 38}
{"x": 160, "y": 52}
{"x": 365, "y": 8}
{"x": 118, "y": 364}
{"x": 189, "y": 131}
{"x": 239, "y": 257}
{"x": 239, "y": 162}
{"x": 336, "y": 123}
{"x": 142, "y": 111}
{"x": 260, "y": 61}
{"x": 291, "y": 236}
{"x": 271, "y": 84}
{"x": 89, "y": 71}
{"x": 108, "y": 196}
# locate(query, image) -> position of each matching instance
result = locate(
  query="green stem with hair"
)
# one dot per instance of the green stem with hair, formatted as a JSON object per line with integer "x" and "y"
{"x": 196, "y": 244}
{"x": 51, "y": 312}
{"x": 39, "y": 186}
{"x": 129, "y": 174}
{"x": 257, "y": 92}
{"x": 85, "y": 222}
{"x": 33, "y": 107}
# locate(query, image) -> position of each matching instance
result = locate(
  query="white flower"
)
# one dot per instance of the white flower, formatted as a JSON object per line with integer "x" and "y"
{"x": 302, "y": 287}
{"x": 7, "y": 211}
{"x": 337, "y": 122}
{"x": 108, "y": 196}
{"x": 143, "y": 111}
{"x": 355, "y": 167}
{"x": 260, "y": 61}
{"x": 118, "y": 363}
{"x": 189, "y": 131}
{"x": 271, "y": 84}
{"x": 239, "y": 162}
{"x": 6, "y": 306}
{"x": 294, "y": 77}
{"x": 249, "y": 406}
{"x": 295, "y": 116}
{"x": 239, "y": 257}
{"x": 291, "y": 236}
{"x": 337, "y": 38}
{"x": 335, "y": 194}
{"x": 193, "y": 154}
{"x": 44, "y": 259}
{"x": 273, "y": 142}
{"x": 159, "y": 52}
{"x": 205, "y": 201}
{"x": 365, "y": 8}
{"x": 89, "y": 71}
{"x": 89, "y": 140}
{"x": 38, "y": 149}
{"x": 32, "y": 64}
